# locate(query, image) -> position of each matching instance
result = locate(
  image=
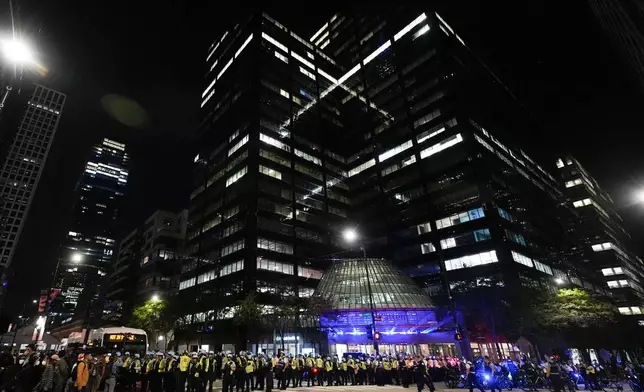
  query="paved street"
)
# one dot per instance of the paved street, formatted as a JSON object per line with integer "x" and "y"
{"x": 440, "y": 387}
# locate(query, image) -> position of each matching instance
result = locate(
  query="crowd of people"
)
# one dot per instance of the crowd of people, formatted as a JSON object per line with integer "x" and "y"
{"x": 243, "y": 372}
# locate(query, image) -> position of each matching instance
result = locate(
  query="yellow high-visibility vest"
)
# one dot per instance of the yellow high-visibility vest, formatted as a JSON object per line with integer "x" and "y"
{"x": 150, "y": 366}
{"x": 184, "y": 362}
{"x": 328, "y": 365}
{"x": 250, "y": 367}
{"x": 386, "y": 365}
{"x": 319, "y": 363}
{"x": 309, "y": 362}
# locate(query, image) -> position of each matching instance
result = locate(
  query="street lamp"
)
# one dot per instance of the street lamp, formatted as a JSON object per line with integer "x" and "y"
{"x": 77, "y": 257}
{"x": 351, "y": 236}
{"x": 559, "y": 281}
{"x": 17, "y": 51}
{"x": 34, "y": 301}
{"x": 155, "y": 298}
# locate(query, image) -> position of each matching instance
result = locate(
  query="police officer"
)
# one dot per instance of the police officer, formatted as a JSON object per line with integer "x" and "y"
{"x": 194, "y": 370}
{"x": 250, "y": 373}
{"x": 170, "y": 374}
{"x": 554, "y": 373}
{"x": 228, "y": 375}
{"x": 184, "y": 362}
{"x": 319, "y": 364}
{"x": 260, "y": 372}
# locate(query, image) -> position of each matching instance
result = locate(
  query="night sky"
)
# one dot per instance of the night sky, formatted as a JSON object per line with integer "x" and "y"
{"x": 554, "y": 58}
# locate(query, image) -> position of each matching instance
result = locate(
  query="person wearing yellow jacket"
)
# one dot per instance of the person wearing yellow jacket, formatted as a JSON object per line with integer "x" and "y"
{"x": 194, "y": 374}
{"x": 319, "y": 365}
{"x": 184, "y": 362}
{"x": 249, "y": 371}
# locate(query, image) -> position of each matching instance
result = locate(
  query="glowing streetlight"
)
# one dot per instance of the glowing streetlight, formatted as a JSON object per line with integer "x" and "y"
{"x": 17, "y": 51}
{"x": 34, "y": 301}
{"x": 350, "y": 235}
{"x": 77, "y": 257}
{"x": 155, "y": 298}
{"x": 639, "y": 196}
{"x": 160, "y": 338}
{"x": 559, "y": 281}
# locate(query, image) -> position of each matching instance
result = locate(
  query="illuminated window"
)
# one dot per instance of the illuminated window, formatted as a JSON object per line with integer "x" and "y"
{"x": 427, "y": 118}
{"x": 235, "y": 177}
{"x": 560, "y": 163}
{"x": 241, "y": 48}
{"x": 410, "y": 26}
{"x": 466, "y": 238}
{"x": 376, "y": 52}
{"x": 302, "y": 60}
{"x": 445, "y": 144}
{"x": 582, "y": 203}
{"x": 307, "y": 73}
{"x": 281, "y": 57}
{"x": 614, "y": 284}
{"x": 396, "y": 150}
{"x": 308, "y": 157}
{"x": 459, "y": 218}
{"x": 420, "y": 32}
{"x": 238, "y": 145}
{"x": 603, "y": 246}
{"x": 274, "y": 246}
{"x": 361, "y": 167}
{"x": 275, "y": 266}
{"x": 232, "y": 267}
{"x": 505, "y": 215}
{"x": 612, "y": 271}
{"x": 274, "y": 142}
{"x": 309, "y": 273}
{"x": 270, "y": 172}
{"x": 224, "y": 69}
{"x": 186, "y": 283}
{"x": 319, "y": 32}
{"x": 424, "y": 228}
{"x": 470, "y": 261}
{"x": 349, "y": 74}
{"x": 518, "y": 238}
{"x": 274, "y": 42}
{"x": 542, "y": 267}
{"x": 570, "y": 184}
{"x": 522, "y": 259}
{"x": 429, "y": 134}
{"x": 427, "y": 248}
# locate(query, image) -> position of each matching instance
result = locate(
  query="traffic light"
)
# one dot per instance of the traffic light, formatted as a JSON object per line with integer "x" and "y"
{"x": 376, "y": 336}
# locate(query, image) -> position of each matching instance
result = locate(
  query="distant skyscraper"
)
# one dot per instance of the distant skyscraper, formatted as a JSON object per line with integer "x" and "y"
{"x": 24, "y": 162}
{"x": 623, "y": 21}
{"x": 90, "y": 245}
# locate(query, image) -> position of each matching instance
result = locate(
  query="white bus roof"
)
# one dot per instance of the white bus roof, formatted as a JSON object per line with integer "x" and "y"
{"x": 117, "y": 330}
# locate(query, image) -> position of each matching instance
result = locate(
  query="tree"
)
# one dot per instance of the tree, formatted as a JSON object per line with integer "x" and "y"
{"x": 573, "y": 308}
{"x": 152, "y": 317}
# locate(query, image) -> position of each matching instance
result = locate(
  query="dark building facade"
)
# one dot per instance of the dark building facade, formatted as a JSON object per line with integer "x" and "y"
{"x": 606, "y": 242}
{"x": 386, "y": 124}
{"x": 89, "y": 248}
{"x": 147, "y": 266}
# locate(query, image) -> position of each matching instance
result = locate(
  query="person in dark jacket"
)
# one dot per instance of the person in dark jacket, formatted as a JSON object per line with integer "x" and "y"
{"x": 26, "y": 378}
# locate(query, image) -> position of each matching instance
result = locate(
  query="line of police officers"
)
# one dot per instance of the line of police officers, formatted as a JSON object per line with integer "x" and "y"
{"x": 245, "y": 372}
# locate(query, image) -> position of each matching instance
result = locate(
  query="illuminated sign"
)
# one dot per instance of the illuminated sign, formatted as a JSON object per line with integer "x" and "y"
{"x": 121, "y": 337}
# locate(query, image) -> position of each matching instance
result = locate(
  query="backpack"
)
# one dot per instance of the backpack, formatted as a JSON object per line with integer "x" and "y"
{"x": 74, "y": 372}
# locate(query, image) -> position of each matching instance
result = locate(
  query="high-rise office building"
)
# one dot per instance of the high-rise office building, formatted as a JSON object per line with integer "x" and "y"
{"x": 24, "y": 162}
{"x": 147, "y": 266}
{"x": 90, "y": 244}
{"x": 606, "y": 242}
{"x": 623, "y": 22}
{"x": 388, "y": 124}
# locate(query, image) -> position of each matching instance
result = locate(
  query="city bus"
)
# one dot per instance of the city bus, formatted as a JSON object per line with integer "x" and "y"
{"x": 113, "y": 339}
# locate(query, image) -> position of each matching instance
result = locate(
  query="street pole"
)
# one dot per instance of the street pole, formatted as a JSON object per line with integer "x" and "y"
{"x": 373, "y": 308}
